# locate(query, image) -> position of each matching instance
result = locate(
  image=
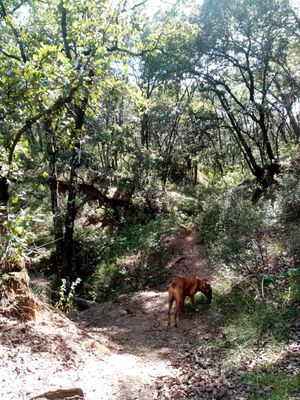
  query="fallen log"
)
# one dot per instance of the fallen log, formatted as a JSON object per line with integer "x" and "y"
{"x": 61, "y": 394}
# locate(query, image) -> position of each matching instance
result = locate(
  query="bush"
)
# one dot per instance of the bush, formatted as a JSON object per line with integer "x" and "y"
{"x": 90, "y": 247}
{"x": 263, "y": 320}
{"x": 233, "y": 232}
{"x": 289, "y": 292}
{"x": 252, "y": 328}
{"x": 282, "y": 386}
{"x": 288, "y": 198}
{"x": 288, "y": 209}
{"x": 135, "y": 259}
{"x": 14, "y": 242}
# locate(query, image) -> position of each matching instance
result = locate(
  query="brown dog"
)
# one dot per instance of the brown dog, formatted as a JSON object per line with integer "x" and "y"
{"x": 186, "y": 286}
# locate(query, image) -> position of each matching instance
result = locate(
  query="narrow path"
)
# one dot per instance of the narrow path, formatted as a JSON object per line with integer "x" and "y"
{"x": 187, "y": 257}
{"x": 135, "y": 325}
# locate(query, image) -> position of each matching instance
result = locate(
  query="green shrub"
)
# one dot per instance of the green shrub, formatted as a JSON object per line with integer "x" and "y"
{"x": 90, "y": 247}
{"x": 135, "y": 259}
{"x": 14, "y": 241}
{"x": 233, "y": 230}
{"x": 288, "y": 198}
{"x": 264, "y": 320}
{"x": 289, "y": 292}
{"x": 251, "y": 327}
{"x": 231, "y": 295}
{"x": 290, "y": 239}
{"x": 281, "y": 385}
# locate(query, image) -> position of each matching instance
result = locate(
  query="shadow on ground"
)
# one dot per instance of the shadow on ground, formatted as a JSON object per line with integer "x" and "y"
{"x": 137, "y": 324}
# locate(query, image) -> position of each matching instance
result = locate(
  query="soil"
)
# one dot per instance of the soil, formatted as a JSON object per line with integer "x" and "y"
{"x": 122, "y": 349}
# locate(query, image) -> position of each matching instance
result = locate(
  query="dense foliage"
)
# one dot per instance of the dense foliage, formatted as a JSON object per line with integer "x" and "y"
{"x": 118, "y": 119}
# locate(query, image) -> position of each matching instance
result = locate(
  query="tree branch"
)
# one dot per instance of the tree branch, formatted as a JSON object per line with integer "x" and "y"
{"x": 16, "y": 33}
{"x": 10, "y": 55}
{"x": 115, "y": 47}
{"x": 138, "y": 5}
{"x": 63, "y": 23}
{"x": 59, "y": 103}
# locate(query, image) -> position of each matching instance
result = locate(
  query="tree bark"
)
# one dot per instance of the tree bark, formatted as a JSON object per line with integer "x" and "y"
{"x": 79, "y": 111}
{"x": 53, "y": 184}
{"x": 67, "y": 267}
{"x": 4, "y": 197}
{"x": 145, "y": 131}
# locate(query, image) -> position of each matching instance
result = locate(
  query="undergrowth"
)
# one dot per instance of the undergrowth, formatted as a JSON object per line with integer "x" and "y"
{"x": 254, "y": 249}
{"x": 279, "y": 385}
{"x": 135, "y": 259}
{"x": 253, "y": 333}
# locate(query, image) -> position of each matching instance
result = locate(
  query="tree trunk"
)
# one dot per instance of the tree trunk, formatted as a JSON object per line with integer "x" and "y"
{"x": 67, "y": 266}
{"x": 67, "y": 270}
{"x": 53, "y": 183}
{"x": 4, "y": 197}
{"x": 287, "y": 101}
{"x": 265, "y": 173}
{"x": 145, "y": 134}
{"x": 295, "y": 126}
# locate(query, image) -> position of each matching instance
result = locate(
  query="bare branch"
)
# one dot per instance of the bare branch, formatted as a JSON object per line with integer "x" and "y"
{"x": 139, "y": 4}
{"x": 132, "y": 53}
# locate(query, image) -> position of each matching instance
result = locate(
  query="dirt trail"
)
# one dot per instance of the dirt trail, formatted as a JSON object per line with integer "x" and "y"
{"x": 145, "y": 348}
{"x": 119, "y": 350}
{"x": 187, "y": 257}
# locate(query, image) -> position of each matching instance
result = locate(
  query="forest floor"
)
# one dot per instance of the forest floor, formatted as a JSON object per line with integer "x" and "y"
{"x": 124, "y": 350}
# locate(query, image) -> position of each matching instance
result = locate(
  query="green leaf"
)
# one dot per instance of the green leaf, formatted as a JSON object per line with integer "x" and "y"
{"x": 18, "y": 230}
{"x": 291, "y": 272}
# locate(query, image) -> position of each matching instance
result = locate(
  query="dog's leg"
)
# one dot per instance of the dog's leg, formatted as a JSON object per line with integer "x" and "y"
{"x": 171, "y": 301}
{"x": 179, "y": 307}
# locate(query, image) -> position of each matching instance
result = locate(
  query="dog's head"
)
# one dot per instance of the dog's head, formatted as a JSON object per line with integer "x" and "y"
{"x": 205, "y": 288}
